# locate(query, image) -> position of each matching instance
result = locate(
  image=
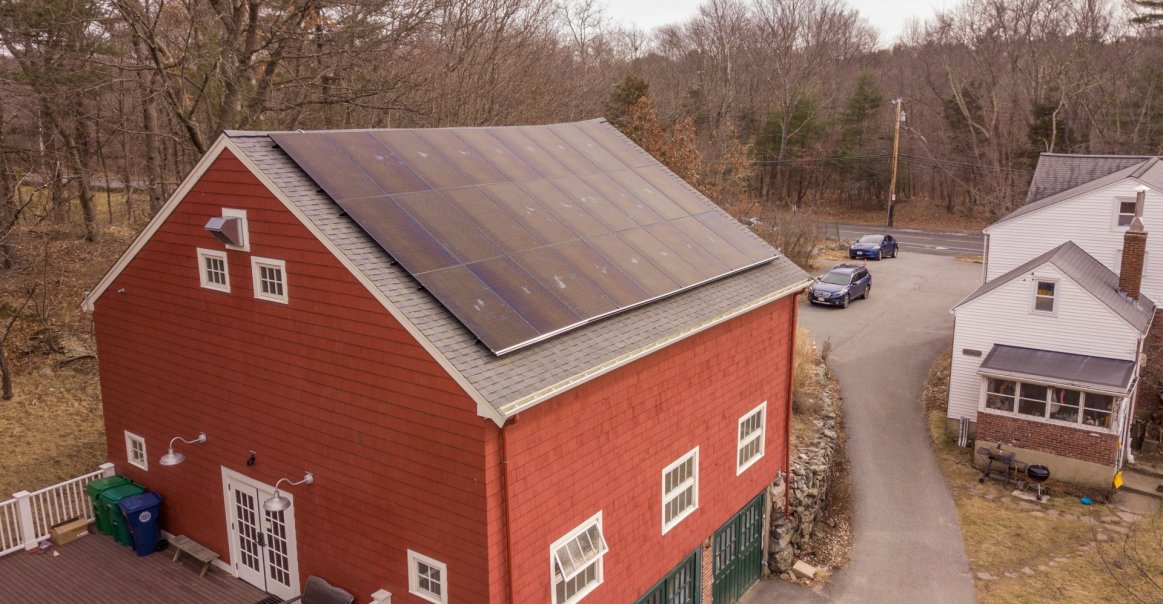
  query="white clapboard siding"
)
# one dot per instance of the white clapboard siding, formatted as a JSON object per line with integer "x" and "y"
{"x": 1091, "y": 222}
{"x": 1081, "y": 325}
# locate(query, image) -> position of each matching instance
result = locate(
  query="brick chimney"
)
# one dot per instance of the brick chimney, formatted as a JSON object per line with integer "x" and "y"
{"x": 1134, "y": 250}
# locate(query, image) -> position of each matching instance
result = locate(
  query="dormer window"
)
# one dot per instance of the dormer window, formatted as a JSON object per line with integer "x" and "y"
{"x": 1045, "y": 292}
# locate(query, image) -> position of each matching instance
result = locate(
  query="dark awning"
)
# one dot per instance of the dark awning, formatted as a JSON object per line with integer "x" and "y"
{"x": 1060, "y": 367}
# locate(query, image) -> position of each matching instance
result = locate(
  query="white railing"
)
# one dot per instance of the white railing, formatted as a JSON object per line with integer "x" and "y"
{"x": 25, "y": 519}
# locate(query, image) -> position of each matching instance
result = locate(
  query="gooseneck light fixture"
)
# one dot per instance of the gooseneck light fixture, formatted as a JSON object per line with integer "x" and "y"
{"x": 174, "y": 458}
{"x": 279, "y": 502}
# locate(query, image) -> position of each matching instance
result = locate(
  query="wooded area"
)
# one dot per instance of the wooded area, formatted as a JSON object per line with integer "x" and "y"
{"x": 106, "y": 104}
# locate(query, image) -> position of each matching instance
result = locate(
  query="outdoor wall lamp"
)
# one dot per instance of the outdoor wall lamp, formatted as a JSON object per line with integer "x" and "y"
{"x": 174, "y": 458}
{"x": 278, "y": 502}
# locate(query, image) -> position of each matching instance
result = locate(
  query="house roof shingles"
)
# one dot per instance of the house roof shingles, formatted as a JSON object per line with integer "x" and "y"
{"x": 1057, "y": 172}
{"x": 530, "y": 374}
{"x": 1074, "y": 368}
{"x": 1089, "y": 274}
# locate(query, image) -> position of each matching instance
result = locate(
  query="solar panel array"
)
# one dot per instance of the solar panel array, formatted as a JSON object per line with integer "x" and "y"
{"x": 526, "y": 232}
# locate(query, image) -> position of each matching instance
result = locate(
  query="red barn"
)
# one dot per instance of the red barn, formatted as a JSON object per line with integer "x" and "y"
{"x": 522, "y": 364}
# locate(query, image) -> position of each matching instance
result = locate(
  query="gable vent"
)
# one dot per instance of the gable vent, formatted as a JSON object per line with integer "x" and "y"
{"x": 228, "y": 229}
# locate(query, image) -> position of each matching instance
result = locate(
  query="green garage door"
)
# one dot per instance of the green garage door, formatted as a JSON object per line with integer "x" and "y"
{"x": 738, "y": 550}
{"x": 681, "y": 586}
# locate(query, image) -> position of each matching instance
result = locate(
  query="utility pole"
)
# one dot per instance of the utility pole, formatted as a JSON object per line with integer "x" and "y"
{"x": 896, "y": 145}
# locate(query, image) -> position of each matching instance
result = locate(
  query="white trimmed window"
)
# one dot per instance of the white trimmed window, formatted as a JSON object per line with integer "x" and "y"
{"x": 135, "y": 450}
{"x": 680, "y": 489}
{"x": 427, "y": 578}
{"x": 1042, "y": 401}
{"x": 1125, "y": 208}
{"x": 1045, "y": 293}
{"x": 575, "y": 561}
{"x": 752, "y": 438}
{"x": 244, "y": 231}
{"x": 212, "y": 270}
{"x": 270, "y": 279}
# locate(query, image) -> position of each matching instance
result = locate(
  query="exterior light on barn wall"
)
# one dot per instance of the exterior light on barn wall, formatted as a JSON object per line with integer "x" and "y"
{"x": 279, "y": 502}
{"x": 174, "y": 458}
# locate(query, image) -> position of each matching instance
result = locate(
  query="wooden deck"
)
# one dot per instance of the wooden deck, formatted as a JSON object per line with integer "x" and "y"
{"x": 96, "y": 570}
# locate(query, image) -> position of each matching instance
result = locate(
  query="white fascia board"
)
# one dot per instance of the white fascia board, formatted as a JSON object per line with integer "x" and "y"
{"x": 987, "y": 230}
{"x": 158, "y": 220}
{"x": 484, "y": 409}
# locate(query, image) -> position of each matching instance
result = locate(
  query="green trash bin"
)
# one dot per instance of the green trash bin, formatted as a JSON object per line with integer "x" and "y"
{"x": 100, "y": 512}
{"x": 109, "y": 500}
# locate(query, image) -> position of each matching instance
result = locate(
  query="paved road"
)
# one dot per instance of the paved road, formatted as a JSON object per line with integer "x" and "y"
{"x": 908, "y": 544}
{"x": 936, "y": 242}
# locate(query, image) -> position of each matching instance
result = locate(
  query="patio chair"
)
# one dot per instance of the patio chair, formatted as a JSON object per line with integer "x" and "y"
{"x": 319, "y": 591}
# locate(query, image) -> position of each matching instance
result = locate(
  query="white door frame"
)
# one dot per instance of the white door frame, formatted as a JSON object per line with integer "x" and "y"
{"x": 264, "y": 490}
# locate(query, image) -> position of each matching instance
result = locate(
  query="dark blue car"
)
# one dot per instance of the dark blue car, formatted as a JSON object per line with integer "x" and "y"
{"x": 841, "y": 285}
{"x": 874, "y": 246}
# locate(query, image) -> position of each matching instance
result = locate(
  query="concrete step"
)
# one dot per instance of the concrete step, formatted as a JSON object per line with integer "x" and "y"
{"x": 1149, "y": 470}
{"x": 1136, "y": 503}
{"x": 1144, "y": 483}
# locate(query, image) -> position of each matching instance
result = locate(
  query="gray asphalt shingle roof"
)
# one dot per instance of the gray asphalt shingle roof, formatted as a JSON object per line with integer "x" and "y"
{"x": 1057, "y": 172}
{"x": 532, "y": 374}
{"x": 1089, "y": 274}
{"x": 1060, "y": 366}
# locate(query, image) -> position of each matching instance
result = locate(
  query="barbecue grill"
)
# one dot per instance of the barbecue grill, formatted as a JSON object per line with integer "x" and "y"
{"x": 1038, "y": 474}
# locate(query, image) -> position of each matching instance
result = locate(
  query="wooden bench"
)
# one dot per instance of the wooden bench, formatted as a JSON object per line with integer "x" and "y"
{"x": 183, "y": 544}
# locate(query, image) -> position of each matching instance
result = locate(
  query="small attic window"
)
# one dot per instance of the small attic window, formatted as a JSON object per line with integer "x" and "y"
{"x": 1126, "y": 210}
{"x": 212, "y": 270}
{"x": 270, "y": 279}
{"x": 1045, "y": 291}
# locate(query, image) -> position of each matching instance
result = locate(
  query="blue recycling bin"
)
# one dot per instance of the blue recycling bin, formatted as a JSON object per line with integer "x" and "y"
{"x": 142, "y": 513}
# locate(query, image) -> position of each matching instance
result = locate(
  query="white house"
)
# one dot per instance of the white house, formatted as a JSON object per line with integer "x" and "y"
{"x": 1049, "y": 354}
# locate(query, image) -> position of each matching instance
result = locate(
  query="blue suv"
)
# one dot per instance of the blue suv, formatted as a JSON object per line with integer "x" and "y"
{"x": 841, "y": 285}
{"x": 874, "y": 246}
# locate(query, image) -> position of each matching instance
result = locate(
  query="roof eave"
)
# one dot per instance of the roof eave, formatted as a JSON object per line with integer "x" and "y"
{"x": 512, "y": 408}
{"x": 1100, "y": 388}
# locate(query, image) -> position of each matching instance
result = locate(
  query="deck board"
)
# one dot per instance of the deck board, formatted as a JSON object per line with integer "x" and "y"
{"x": 96, "y": 570}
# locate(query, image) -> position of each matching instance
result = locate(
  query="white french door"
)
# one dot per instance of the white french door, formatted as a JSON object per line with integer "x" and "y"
{"x": 262, "y": 543}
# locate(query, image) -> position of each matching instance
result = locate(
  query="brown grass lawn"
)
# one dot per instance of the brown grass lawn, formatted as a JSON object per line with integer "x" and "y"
{"x": 52, "y": 429}
{"x": 1058, "y": 545}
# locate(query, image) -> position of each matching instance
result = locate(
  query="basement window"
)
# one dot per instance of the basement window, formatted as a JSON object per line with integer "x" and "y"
{"x": 270, "y": 279}
{"x": 752, "y": 428}
{"x": 576, "y": 561}
{"x": 427, "y": 578}
{"x": 135, "y": 451}
{"x": 212, "y": 270}
{"x": 680, "y": 489}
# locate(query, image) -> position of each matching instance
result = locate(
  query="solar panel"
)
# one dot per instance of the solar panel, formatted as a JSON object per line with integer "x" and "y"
{"x": 526, "y": 232}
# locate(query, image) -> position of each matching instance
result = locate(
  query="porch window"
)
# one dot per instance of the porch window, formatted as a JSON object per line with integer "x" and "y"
{"x": 1064, "y": 404}
{"x": 1032, "y": 400}
{"x": 1044, "y": 291}
{"x": 1098, "y": 411}
{"x": 680, "y": 489}
{"x": 999, "y": 395}
{"x": 577, "y": 561}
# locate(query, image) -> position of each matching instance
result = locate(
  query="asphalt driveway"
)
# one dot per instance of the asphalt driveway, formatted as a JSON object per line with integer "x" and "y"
{"x": 908, "y": 544}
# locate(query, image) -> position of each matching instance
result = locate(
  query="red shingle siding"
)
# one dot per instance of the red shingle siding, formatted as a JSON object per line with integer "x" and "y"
{"x": 1049, "y": 438}
{"x": 603, "y": 445}
{"x": 329, "y": 383}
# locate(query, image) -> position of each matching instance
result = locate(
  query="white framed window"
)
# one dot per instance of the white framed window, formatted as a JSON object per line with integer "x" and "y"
{"x": 575, "y": 561}
{"x": 135, "y": 451}
{"x": 427, "y": 578}
{"x": 1124, "y": 211}
{"x": 270, "y": 279}
{"x": 1046, "y": 402}
{"x": 212, "y": 270}
{"x": 1045, "y": 296}
{"x": 680, "y": 489}
{"x": 244, "y": 230}
{"x": 752, "y": 438}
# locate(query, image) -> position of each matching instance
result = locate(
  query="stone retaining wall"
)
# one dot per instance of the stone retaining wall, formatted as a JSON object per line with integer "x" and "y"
{"x": 812, "y": 468}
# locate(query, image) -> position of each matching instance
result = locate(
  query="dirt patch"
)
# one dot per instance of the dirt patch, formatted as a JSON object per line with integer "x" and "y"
{"x": 1060, "y": 551}
{"x": 53, "y": 428}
